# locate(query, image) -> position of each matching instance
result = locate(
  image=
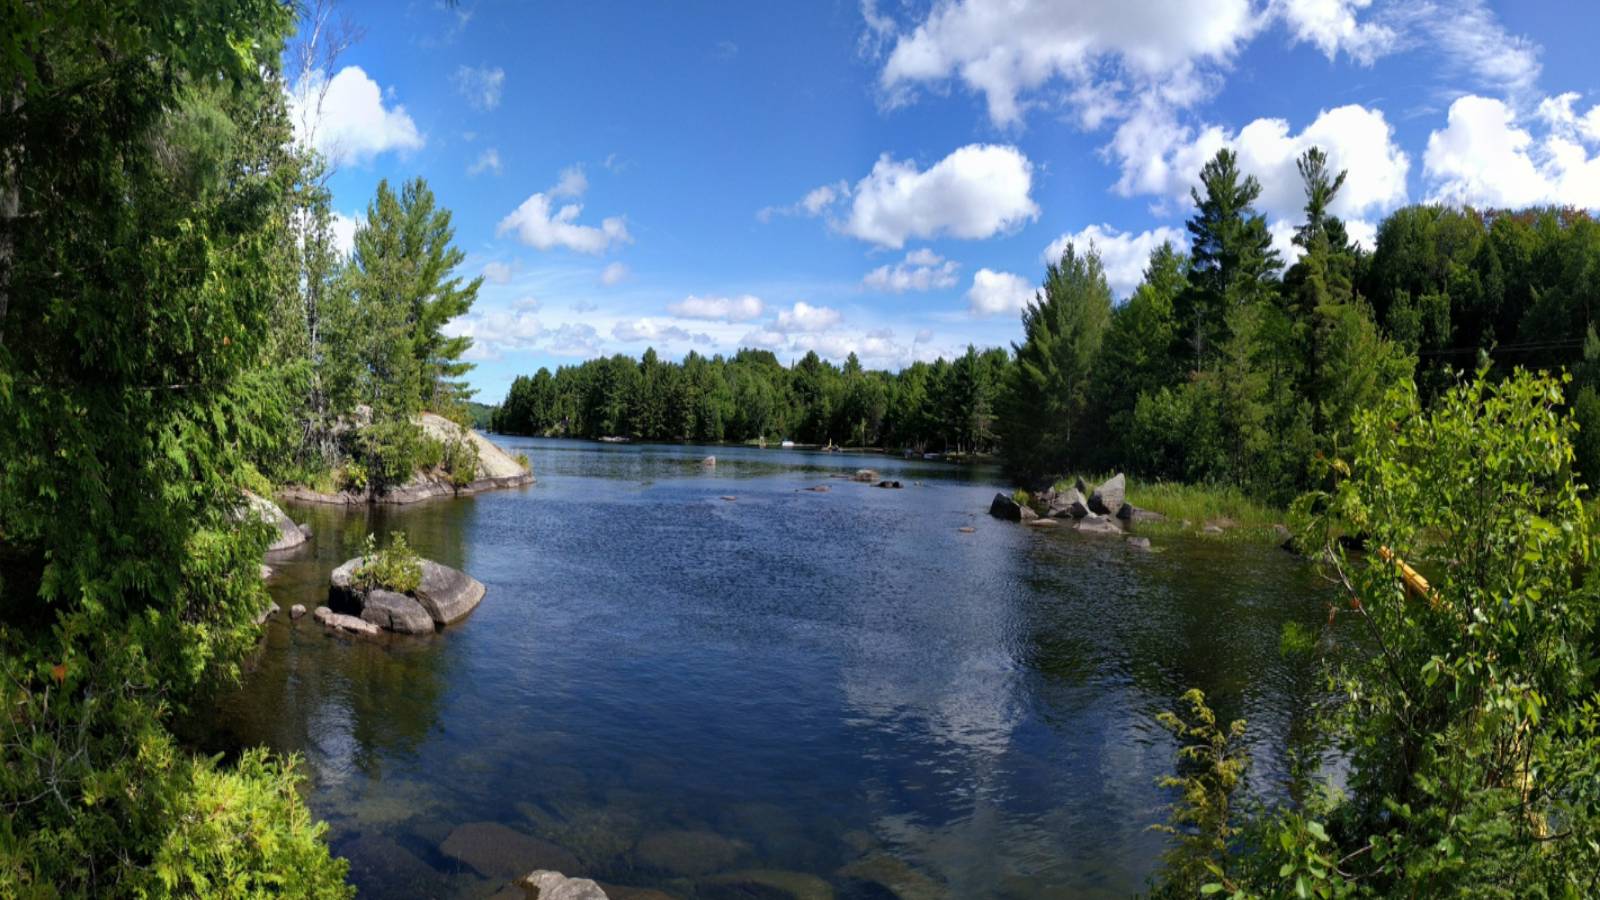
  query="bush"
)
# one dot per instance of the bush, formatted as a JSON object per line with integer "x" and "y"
{"x": 460, "y": 460}
{"x": 393, "y": 568}
{"x": 1470, "y": 727}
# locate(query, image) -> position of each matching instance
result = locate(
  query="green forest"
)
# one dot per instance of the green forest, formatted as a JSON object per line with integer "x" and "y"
{"x": 1226, "y": 365}
{"x": 177, "y": 327}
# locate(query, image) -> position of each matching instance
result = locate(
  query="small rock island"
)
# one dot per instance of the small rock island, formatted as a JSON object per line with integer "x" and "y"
{"x": 442, "y": 596}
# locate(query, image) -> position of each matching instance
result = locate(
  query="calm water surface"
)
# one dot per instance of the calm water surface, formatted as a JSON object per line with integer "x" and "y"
{"x": 842, "y": 689}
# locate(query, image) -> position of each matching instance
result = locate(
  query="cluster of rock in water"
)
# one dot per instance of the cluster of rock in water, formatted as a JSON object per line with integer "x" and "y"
{"x": 443, "y": 597}
{"x": 1105, "y": 510}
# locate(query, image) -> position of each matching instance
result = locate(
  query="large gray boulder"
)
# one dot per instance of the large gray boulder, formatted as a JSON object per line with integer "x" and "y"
{"x": 1108, "y": 498}
{"x": 1069, "y": 502}
{"x": 447, "y": 594}
{"x": 288, "y": 536}
{"x": 544, "y": 884}
{"x": 1130, "y": 513}
{"x": 1098, "y": 524}
{"x": 1006, "y": 508}
{"x": 399, "y": 613}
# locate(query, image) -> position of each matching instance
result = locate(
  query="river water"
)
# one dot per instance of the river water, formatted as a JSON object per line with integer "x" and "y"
{"x": 789, "y": 694}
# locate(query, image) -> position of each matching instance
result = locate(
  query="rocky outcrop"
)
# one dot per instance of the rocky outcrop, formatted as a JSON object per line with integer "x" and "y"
{"x": 1005, "y": 507}
{"x": 443, "y": 597}
{"x": 496, "y": 469}
{"x": 1069, "y": 502}
{"x": 1098, "y": 524}
{"x": 1133, "y": 514}
{"x": 341, "y": 622}
{"x": 447, "y": 594}
{"x": 1108, "y": 498}
{"x": 544, "y": 884}
{"x": 399, "y": 613}
{"x": 288, "y": 535}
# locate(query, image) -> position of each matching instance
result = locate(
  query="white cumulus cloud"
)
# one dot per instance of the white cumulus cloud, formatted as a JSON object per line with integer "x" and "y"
{"x": 994, "y": 292}
{"x": 978, "y": 191}
{"x": 1487, "y": 156}
{"x": 497, "y": 272}
{"x": 1124, "y": 254}
{"x": 803, "y": 317}
{"x": 651, "y": 330}
{"x": 742, "y": 308}
{"x": 345, "y": 118}
{"x": 539, "y": 224}
{"x": 921, "y": 270}
{"x": 613, "y": 274}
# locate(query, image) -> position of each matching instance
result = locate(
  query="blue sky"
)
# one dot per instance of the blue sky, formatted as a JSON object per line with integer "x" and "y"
{"x": 888, "y": 177}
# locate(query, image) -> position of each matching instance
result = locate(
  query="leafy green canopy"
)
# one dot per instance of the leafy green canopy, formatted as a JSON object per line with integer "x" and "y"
{"x": 140, "y": 188}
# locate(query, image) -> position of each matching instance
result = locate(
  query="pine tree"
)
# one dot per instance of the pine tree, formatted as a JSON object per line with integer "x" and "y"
{"x": 1049, "y": 386}
{"x": 1231, "y": 263}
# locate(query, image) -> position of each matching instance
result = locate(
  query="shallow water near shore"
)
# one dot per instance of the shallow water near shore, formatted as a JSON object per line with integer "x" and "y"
{"x": 790, "y": 693}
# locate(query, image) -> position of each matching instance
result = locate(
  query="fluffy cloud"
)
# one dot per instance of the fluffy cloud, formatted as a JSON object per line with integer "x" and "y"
{"x": 1484, "y": 156}
{"x": 344, "y": 232}
{"x": 1332, "y": 26}
{"x": 613, "y": 274}
{"x": 1472, "y": 44}
{"x": 573, "y": 183}
{"x": 803, "y": 317}
{"x": 1166, "y": 161}
{"x": 488, "y": 161}
{"x": 994, "y": 292}
{"x": 720, "y": 309}
{"x": 764, "y": 339}
{"x": 496, "y": 331}
{"x": 978, "y": 191}
{"x": 345, "y": 117}
{"x": 573, "y": 340}
{"x": 497, "y": 272}
{"x": 1122, "y": 253}
{"x": 651, "y": 330}
{"x": 480, "y": 85}
{"x": 537, "y": 224}
{"x": 921, "y": 270}
{"x": 1003, "y": 49}
{"x": 816, "y": 201}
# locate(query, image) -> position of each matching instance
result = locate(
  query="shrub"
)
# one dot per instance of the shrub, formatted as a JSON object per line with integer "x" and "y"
{"x": 393, "y": 568}
{"x": 460, "y": 460}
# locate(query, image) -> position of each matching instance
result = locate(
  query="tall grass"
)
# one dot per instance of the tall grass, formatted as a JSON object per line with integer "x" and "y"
{"x": 1191, "y": 507}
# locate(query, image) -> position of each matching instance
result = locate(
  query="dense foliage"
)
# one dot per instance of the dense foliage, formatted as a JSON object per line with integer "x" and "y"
{"x": 1471, "y": 723}
{"x": 948, "y": 406}
{"x": 143, "y": 200}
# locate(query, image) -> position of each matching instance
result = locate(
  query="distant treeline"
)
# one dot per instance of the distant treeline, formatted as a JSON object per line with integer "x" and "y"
{"x": 1223, "y": 366}
{"x": 944, "y": 405}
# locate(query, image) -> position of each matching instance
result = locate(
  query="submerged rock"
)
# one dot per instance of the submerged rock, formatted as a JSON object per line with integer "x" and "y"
{"x": 297, "y": 610}
{"x": 501, "y": 852}
{"x": 1108, "y": 498}
{"x": 773, "y": 882}
{"x": 1139, "y": 543}
{"x": 688, "y": 852}
{"x": 544, "y": 884}
{"x": 896, "y": 875}
{"x": 340, "y": 622}
{"x": 890, "y": 484}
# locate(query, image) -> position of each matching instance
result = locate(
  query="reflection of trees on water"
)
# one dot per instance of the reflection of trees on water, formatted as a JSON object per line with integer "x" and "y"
{"x": 347, "y": 703}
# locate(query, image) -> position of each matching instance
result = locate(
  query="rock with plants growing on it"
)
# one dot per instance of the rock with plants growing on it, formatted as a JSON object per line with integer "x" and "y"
{"x": 400, "y": 592}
